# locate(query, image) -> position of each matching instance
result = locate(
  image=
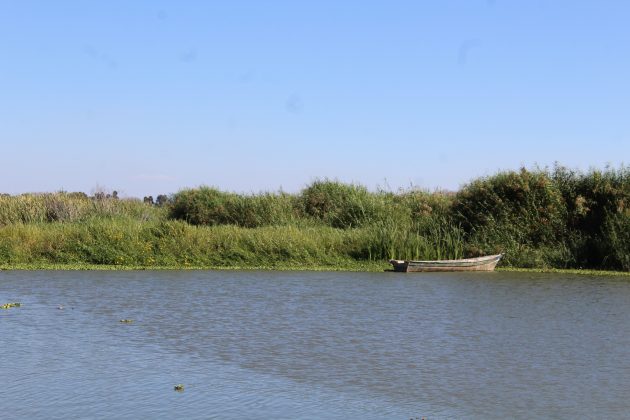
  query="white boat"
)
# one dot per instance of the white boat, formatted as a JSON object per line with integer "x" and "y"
{"x": 486, "y": 263}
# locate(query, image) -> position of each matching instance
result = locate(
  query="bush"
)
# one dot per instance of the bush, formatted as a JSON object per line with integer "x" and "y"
{"x": 596, "y": 202}
{"x": 69, "y": 207}
{"x": 615, "y": 241}
{"x": 511, "y": 211}
{"x": 341, "y": 205}
{"x": 211, "y": 207}
{"x": 540, "y": 218}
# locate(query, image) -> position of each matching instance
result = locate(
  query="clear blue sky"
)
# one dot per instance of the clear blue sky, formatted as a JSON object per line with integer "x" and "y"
{"x": 148, "y": 97}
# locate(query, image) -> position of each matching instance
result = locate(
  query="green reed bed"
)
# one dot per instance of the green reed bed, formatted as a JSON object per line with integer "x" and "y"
{"x": 71, "y": 207}
{"x": 556, "y": 218}
{"x": 128, "y": 242}
{"x": 570, "y": 271}
{"x": 357, "y": 266}
{"x": 539, "y": 218}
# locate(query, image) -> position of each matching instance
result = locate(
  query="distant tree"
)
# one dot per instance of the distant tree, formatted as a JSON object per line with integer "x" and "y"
{"x": 161, "y": 199}
{"x": 101, "y": 193}
{"x": 148, "y": 200}
{"x": 77, "y": 194}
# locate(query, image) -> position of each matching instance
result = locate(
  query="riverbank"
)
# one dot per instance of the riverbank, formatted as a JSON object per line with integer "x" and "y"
{"x": 369, "y": 267}
{"x": 539, "y": 219}
{"x": 580, "y": 272}
{"x": 372, "y": 267}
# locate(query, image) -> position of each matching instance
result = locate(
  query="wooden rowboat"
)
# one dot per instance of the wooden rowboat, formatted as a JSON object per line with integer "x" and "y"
{"x": 486, "y": 263}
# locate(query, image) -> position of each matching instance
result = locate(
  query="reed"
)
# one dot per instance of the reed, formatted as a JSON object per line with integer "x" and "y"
{"x": 342, "y": 205}
{"x": 541, "y": 218}
{"x": 71, "y": 207}
{"x": 210, "y": 206}
{"x": 128, "y": 242}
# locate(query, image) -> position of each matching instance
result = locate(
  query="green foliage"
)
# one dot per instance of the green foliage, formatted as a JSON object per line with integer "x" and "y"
{"x": 526, "y": 204}
{"x": 70, "y": 207}
{"x": 211, "y": 207}
{"x": 520, "y": 213}
{"x": 598, "y": 203}
{"x": 556, "y": 218}
{"x": 561, "y": 218}
{"x": 429, "y": 240}
{"x": 127, "y": 242}
{"x": 614, "y": 244}
{"x": 341, "y": 205}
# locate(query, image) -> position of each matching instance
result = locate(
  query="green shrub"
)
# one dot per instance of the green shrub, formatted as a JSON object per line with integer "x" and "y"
{"x": 510, "y": 212}
{"x": 211, "y": 207}
{"x": 341, "y": 205}
{"x": 70, "y": 207}
{"x": 614, "y": 242}
{"x": 597, "y": 202}
{"x": 560, "y": 218}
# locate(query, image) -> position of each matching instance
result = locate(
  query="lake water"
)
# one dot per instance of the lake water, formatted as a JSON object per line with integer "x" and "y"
{"x": 253, "y": 344}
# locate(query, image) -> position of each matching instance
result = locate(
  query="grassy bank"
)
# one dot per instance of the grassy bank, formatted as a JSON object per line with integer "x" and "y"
{"x": 541, "y": 219}
{"x": 573, "y": 271}
{"x": 350, "y": 267}
{"x": 167, "y": 244}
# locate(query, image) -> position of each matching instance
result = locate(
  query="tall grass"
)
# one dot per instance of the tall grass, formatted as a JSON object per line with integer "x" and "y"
{"x": 210, "y": 206}
{"x": 432, "y": 241}
{"x": 598, "y": 215}
{"x": 71, "y": 207}
{"x": 342, "y": 205}
{"x": 176, "y": 243}
{"x": 558, "y": 218}
{"x": 410, "y": 224}
{"x": 541, "y": 218}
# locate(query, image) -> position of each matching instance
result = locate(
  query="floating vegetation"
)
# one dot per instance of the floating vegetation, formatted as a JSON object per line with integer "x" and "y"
{"x": 179, "y": 388}
{"x": 11, "y": 305}
{"x": 126, "y": 321}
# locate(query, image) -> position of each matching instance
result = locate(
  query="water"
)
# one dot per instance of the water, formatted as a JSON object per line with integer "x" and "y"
{"x": 313, "y": 345}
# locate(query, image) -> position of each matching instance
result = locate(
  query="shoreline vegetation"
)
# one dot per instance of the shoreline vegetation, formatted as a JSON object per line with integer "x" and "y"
{"x": 542, "y": 219}
{"x": 359, "y": 267}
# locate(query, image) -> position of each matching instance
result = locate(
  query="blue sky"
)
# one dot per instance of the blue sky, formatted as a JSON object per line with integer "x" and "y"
{"x": 148, "y": 97}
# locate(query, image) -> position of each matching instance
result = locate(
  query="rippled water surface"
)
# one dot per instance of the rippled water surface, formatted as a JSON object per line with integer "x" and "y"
{"x": 313, "y": 345}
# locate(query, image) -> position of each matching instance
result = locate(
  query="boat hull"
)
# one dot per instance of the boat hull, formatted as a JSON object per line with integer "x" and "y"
{"x": 487, "y": 263}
